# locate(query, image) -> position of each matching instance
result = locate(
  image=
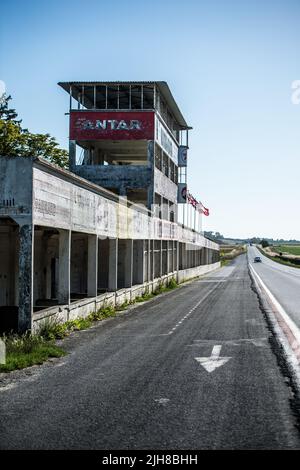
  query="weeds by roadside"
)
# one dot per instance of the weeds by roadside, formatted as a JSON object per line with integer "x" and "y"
{"x": 29, "y": 349}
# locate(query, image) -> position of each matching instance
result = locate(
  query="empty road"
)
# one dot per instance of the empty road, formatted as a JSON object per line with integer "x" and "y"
{"x": 192, "y": 369}
{"x": 283, "y": 281}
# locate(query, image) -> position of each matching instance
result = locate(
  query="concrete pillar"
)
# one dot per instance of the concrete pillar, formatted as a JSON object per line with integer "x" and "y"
{"x": 26, "y": 240}
{"x": 113, "y": 264}
{"x": 72, "y": 154}
{"x": 168, "y": 256}
{"x": 128, "y": 260}
{"x": 153, "y": 259}
{"x": 177, "y": 258}
{"x": 149, "y": 264}
{"x": 92, "y": 274}
{"x": 64, "y": 267}
{"x": 151, "y": 164}
{"x": 173, "y": 256}
{"x": 160, "y": 259}
{"x": 138, "y": 262}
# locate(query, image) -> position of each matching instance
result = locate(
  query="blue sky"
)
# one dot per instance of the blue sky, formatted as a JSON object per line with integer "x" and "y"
{"x": 229, "y": 64}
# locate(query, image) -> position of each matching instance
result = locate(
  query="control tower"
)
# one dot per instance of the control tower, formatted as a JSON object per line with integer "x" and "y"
{"x": 129, "y": 137}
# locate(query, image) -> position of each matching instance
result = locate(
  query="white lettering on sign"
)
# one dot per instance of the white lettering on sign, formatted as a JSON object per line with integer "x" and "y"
{"x": 109, "y": 124}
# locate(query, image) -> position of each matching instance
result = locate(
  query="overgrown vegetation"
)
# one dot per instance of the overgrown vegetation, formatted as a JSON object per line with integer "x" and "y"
{"x": 281, "y": 259}
{"x": 290, "y": 249}
{"x": 229, "y": 252}
{"x": 29, "y": 349}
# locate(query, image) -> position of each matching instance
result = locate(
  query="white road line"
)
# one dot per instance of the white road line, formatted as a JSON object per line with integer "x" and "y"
{"x": 293, "y": 327}
{"x": 192, "y": 309}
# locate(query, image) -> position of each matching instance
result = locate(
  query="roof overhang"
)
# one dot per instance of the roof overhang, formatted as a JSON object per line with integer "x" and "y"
{"x": 162, "y": 86}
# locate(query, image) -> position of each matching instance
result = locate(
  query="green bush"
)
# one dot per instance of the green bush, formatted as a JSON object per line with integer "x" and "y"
{"x": 52, "y": 328}
{"x": 27, "y": 350}
{"x": 172, "y": 284}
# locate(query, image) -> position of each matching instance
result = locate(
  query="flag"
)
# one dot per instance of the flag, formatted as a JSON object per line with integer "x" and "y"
{"x": 197, "y": 204}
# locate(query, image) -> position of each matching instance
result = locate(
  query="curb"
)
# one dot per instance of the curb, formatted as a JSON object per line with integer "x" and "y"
{"x": 285, "y": 331}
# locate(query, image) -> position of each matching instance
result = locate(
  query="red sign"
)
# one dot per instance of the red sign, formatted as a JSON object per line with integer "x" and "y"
{"x": 111, "y": 125}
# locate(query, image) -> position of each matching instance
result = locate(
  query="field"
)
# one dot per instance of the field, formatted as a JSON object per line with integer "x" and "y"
{"x": 290, "y": 249}
{"x": 229, "y": 252}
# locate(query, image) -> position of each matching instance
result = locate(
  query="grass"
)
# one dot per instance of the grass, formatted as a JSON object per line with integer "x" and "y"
{"x": 172, "y": 284}
{"x": 225, "y": 262}
{"x": 27, "y": 350}
{"x": 278, "y": 259}
{"x": 228, "y": 253}
{"x": 290, "y": 249}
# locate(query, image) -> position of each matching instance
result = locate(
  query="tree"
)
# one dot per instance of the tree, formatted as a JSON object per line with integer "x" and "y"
{"x": 264, "y": 243}
{"x": 16, "y": 141}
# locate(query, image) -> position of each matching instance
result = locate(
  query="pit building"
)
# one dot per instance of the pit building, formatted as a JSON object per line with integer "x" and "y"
{"x": 110, "y": 228}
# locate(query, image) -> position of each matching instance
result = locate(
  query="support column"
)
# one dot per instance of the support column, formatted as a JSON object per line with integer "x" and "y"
{"x": 168, "y": 256}
{"x": 72, "y": 154}
{"x": 26, "y": 240}
{"x": 149, "y": 260}
{"x": 173, "y": 255}
{"x": 128, "y": 263}
{"x": 161, "y": 259}
{"x": 153, "y": 259}
{"x": 64, "y": 267}
{"x": 139, "y": 262}
{"x": 113, "y": 264}
{"x": 92, "y": 275}
{"x": 177, "y": 258}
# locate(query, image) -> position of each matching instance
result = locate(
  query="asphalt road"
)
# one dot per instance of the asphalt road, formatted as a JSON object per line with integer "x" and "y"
{"x": 134, "y": 382}
{"x": 283, "y": 281}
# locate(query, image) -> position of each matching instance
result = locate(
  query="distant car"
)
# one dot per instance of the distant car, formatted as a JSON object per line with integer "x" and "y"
{"x": 257, "y": 259}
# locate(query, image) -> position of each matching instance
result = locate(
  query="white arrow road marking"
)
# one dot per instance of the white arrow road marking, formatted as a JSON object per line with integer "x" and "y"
{"x": 162, "y": 401}
{"x": 214, "y": 361}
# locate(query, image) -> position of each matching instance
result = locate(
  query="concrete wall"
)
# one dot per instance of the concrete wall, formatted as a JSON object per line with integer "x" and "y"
{"x": 65, "y": 204}
{"x": 69, "y": 230}
{"x": 84, "y": 307}
{"x": 190, "y": 273}
{"x": 164, "y": 186}
{"x": 120, "y": 177}
{"x": 16, "y": 180}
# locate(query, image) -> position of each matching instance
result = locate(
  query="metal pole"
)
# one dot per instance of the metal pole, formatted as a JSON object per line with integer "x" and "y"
{"x": 94, "y": 96}
{"x": 142, "y": 96}
{"x": 70, "y": 97}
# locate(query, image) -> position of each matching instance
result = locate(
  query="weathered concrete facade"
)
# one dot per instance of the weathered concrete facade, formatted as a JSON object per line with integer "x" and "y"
{"x": 106, "y": 231}
{"x": 75, "y": 245}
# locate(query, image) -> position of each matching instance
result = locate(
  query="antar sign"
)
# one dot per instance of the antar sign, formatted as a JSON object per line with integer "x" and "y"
{"x": 111, "y": 125}
{"x": 108, "y": 124}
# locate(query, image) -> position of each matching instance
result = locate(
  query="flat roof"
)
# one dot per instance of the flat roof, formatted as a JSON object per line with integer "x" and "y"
{"x": 161, "y": 85}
